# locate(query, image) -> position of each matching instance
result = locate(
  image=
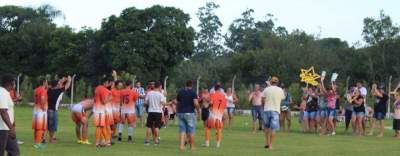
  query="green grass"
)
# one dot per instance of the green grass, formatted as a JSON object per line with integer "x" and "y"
{"x": 238, "y": 141}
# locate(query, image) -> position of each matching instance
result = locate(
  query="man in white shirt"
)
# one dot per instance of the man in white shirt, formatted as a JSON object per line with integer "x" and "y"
{"x": 155, "y": 101}
{"x": 8, "y": 141}
{"x": 271, "y": 98}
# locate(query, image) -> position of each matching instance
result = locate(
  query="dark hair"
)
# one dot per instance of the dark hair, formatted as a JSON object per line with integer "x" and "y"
{"x": 157, "y": 84}
{"x": 217, "y": 87}
{"x": 137, "y": 81}
{"x": 118, "y": 82}
{"x": 53, "y": 83}
{"x": 7, "y": 80}
{"x": 189, "y": 83}
{"x": 104, "y": 80}
{"x": 42, "y": 80}
{"x": 129, "y": 82}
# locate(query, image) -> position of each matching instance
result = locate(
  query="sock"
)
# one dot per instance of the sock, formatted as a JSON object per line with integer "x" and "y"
{"x": 218, "y": 135}
{"x": 38, "y": 136}
{"x": 130, "y": 131}
{"x": 98, "y": 135}
{"x": 207, "y": 136}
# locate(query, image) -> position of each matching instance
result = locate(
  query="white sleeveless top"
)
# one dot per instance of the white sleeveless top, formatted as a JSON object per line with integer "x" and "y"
{"x": 230, "y": 101}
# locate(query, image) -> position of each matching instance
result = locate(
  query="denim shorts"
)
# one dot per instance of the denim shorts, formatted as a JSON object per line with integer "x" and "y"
{"x": 379, "y": 115}
{"x": 309, "y": 115}
{"x": 271, "y": 120}
{"x": 332, "y": 112}
{"x": 358, "y": 114}
{"x": 257, "y": 113}
{"x": 139, "y": 110}
{"x": 229, "y": 110}
{"x": 187, "y": 123}
{"x": 322, "y": 113}
{"x": 52, "y": 120}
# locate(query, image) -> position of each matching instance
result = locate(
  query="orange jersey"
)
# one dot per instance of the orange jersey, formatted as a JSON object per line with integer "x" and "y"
{"x": 39, "y": 93}
{"x": 218, "y": 103}
{"x": 102, "y": 94}
{"x": 129, "y": 98}
{"x": 115, "y": 96}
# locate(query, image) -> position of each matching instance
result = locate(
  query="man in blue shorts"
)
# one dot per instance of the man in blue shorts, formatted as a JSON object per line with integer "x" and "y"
{"x": 139, "y": 103}
{"x": 256, "y": 107}
{"x": 271, "y": 98}
{"x": 187, "y": 103}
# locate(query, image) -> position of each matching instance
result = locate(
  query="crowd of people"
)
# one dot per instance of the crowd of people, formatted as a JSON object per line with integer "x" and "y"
{"x": 117, "y": 104}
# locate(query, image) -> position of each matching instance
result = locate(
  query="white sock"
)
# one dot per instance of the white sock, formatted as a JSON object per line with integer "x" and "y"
{"x": 130, "y": 131}
{"x": 120, "y": 128}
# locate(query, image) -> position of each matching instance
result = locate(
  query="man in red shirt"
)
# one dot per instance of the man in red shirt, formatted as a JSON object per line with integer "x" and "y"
{"x": 102, "y": 98}
{"x": 128, "y": 109}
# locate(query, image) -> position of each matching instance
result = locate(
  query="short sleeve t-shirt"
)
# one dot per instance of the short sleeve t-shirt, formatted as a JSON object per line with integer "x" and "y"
{"x": 154, "y": 99}
{"x": 55, "y": 97}
{"x": 185, "y": 99}
{"x": 381, "y": 103}
{"x": 6, "y": 103}
{"x": 274, "y": 96}
{"x": 39, "y": 93}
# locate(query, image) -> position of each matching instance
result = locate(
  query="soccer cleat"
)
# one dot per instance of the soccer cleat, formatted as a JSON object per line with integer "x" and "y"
{"x": 130, "y": 140}
{"x": 86, "y": 142}
{"x": 119, "y": 136}
{"x": 146, "y": 143}
{"x": 37, "y": 146}
{"x": 79, "y": 141}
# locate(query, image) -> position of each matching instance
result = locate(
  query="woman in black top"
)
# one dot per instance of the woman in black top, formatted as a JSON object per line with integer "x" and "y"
{"x": 358, "y": 112}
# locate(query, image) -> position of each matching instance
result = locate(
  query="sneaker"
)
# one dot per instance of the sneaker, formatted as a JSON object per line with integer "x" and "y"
{"x": 86, "y": 142}
{"x": 130, "y": 140}
{"x": 20, "y": 142}
{"x": 79, "y": 141}
{"x": 37, "y": 146}
{"x": 146, "y": 143}
{"x": 333, "y": 133}
{"x": 119, "y": 137}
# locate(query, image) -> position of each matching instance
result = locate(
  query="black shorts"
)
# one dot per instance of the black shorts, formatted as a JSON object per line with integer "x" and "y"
{"x": 154, "y": 120}
{"x": 205, "y": 112}
{"x": 172, "y": 116}
{"x": 396, "y": 124}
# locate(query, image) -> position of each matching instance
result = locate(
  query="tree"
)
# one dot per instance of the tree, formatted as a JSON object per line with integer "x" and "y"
{"x": 209, "y": 37}
{"x": 240, "y": 30}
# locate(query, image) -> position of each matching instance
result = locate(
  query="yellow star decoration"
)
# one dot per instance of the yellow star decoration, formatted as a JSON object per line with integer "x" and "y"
{"x": 309, "y": 76}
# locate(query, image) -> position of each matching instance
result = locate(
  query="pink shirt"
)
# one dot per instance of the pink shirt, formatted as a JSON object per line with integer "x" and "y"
{"x": 331, "y": 101}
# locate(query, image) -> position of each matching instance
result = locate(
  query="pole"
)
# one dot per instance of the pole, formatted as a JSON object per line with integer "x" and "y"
{"x": 18, "y": 80}
{"x": 347, "y": 84}
{"x": 233, "y": 84}
{"x": 198, "y": 85}
{"x": 72, "y": 89}
{"x": 389, "y": 101}
{"x": 165, "y": 83}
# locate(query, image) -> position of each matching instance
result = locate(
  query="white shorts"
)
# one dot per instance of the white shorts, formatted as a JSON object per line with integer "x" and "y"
{"x": 77, "y": 108}
{"x": 128, "y": 111}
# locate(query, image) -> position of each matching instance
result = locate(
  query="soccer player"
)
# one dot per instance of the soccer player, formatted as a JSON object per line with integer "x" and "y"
{"x": 102, "y": 98}
{"x": 55, "y": 93}
{"x": 256, "y": 107}
{"x": 128, "y": 108}
{"x": 380, "y": 108}
{"x": 116, "y": 107}
{"x": 271, "y": 98}
{"x": 80, "y": 114}
{"x": 39, "y": 121}
{"x": 155, "y": 101}
{"x": 217, "y": 107}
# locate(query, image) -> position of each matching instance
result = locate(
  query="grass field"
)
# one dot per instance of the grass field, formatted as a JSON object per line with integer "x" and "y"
{"x": 238, "y": 141}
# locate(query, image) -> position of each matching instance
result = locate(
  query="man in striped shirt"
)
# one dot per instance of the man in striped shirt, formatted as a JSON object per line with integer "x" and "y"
{"x": 140, "y": 102}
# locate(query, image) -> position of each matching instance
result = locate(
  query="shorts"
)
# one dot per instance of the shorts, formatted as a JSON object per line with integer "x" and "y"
{"x": 154, "y": 120}
{"x": 332, "y": 112}
{"x": 187, "y": 123}
{"x": 205, "y": 112}
{"x": 229, "y": 110}
{"x": 172, "y": 116}
{"x": 99, "y": 119}
{"x": 379, "y": 115}
{"x": 52, "y": 120}
{"x": 322, "y": 113}
{"x": 139, "y": 110}
{"x": 77, "y": 108}
{"x": 310, "y": 115}
{"x": 128, "y": 118}
{"x": 271, "y": 120}
{"x": 39, "y": 120}
{"x": 78, "y": 117}
{"x": 215, "y": 121}
{"x": 257, "y": 113}
{"x": 358, "y": 114}
{"x": 396, "y": 124}
{"x": 285, "y": 115}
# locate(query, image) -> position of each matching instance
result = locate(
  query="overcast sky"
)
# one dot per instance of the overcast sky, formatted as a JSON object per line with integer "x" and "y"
{"x": 326, "y": 18}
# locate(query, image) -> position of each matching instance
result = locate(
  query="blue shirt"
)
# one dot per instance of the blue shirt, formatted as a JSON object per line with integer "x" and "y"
{"x": 140, "y": 91}
{"x": 185, "y": 99}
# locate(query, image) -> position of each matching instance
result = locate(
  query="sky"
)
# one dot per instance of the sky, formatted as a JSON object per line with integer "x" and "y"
{"x": 322, "y": 18}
